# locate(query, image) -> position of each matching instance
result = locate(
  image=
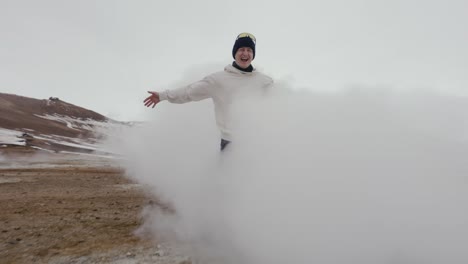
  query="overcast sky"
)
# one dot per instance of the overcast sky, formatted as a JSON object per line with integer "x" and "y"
{"x": 105, "y": 54}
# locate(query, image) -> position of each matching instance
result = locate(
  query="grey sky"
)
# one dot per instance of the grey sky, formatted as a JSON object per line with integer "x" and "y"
{"x": 104, "y": 55}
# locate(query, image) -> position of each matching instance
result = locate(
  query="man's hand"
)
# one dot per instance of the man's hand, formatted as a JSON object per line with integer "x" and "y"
{"x": 152, "y": 100}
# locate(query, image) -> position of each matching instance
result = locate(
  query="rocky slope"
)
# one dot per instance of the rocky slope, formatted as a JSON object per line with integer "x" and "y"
{"x": 50, "y": 125}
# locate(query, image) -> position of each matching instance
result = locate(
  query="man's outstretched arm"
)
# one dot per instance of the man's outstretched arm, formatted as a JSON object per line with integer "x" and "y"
{"x": 196, "y": 91}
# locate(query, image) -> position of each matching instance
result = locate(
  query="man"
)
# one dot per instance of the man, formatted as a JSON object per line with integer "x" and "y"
{"x": 224, "y": 87}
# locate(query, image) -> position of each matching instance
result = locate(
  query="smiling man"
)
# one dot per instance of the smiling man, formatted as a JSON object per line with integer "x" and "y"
{"x": 224, "y": 87}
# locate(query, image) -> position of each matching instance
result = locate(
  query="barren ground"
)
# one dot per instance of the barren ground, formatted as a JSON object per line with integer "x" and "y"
{"x": 73, "y": 213}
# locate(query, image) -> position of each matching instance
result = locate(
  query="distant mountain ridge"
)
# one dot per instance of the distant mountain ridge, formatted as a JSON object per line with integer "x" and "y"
{"x": 50, "y": 124}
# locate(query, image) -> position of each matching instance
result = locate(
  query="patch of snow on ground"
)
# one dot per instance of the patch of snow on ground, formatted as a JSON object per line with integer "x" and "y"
{"x": 11, "y": 137}
{"x": 65, "y": 143}
{"x": 89, "y": 154}
{"x": 76, "y": 123}
{"x": 64, "y": 119}
{"x": 43, "y": 149}
{"x": 54, "y": 160}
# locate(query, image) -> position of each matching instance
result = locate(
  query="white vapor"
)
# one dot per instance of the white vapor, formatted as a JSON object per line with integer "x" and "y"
{"x": 361, "y": 176}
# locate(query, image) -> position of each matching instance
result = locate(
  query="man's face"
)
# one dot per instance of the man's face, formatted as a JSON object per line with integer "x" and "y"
{"x": 244, "y": 57}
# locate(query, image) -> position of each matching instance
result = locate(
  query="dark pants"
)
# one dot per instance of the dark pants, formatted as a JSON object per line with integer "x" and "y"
{"x": 224, "y": 143}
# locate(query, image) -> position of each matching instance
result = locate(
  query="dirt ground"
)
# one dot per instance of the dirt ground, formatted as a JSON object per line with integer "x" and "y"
{"x": 72, "y": 214}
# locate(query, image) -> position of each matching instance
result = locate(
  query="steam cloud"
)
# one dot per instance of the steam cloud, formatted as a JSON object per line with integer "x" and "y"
{"x": 361, "y": 176}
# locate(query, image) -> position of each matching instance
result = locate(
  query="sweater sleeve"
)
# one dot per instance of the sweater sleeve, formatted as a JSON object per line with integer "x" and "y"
{"x": 196, "y": 91}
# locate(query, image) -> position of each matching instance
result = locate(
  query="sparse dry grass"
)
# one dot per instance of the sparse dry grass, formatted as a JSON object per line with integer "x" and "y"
{"x": 53, "y": 212}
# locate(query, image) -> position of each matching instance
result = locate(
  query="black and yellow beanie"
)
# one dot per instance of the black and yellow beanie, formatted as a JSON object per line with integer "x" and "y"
{"x": 244, "y": 40}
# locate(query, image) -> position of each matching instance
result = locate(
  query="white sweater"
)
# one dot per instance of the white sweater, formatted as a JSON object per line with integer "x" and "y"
{"x": 223, "y": 88}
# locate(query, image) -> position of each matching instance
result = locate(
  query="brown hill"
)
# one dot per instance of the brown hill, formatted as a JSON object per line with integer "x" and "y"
{"x": 50, "y": 124}
{"x": 19, "y": 112}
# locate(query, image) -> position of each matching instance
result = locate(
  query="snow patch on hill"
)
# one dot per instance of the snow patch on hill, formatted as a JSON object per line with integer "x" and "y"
{"x": 11, "y": 137}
